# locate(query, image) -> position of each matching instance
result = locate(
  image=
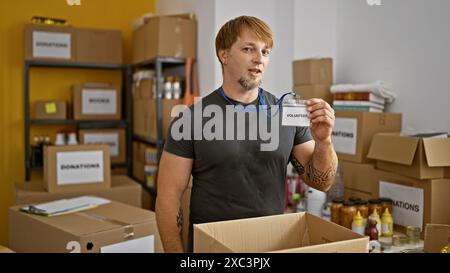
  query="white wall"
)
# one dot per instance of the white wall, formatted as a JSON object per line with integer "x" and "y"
{"x": 314, "y": 28}
{"x": 406, "y": 42}
{"x": 212, "y": 14}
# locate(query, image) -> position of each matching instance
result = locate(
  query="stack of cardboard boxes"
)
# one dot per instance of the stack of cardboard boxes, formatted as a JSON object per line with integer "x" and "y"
{"x": 377, "y": 161}
{"x": 412, "y": 172}
{"x": 313, "y": 78}
{"x": 79, "y": 170}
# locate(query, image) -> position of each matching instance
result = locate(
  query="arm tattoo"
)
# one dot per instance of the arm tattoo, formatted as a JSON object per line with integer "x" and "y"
{"x": 315, "y": 176}
{"x": 321, "y": 179}
{"x": 297, "y": 165}
{"x": 180, "y": 218}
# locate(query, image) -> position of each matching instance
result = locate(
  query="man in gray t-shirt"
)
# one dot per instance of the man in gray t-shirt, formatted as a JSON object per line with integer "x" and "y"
{"x": 234, "y": 144}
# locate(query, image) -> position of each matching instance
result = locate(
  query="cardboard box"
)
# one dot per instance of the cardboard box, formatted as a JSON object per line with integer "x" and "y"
{"x": 145, "y": 165}
{"x": 144, "y": 116}
{"x": 321, "y": 91}
{"x": 123, "y": 189}
{"x": 119, "y": 171}
{"x": 353, "y": 132}
{"x": 138, "y": 46}
{"x": 100, "y": 46}
{"x": 97, "y": 101}
{"x": 416, "y": 202}
{"x": 422, "y": 158}
{"x": 144, "y": 90}
{"x": 76, "y": 168}
{"x": 295, "y": 232}
{"x": 51, "y": 110}
{"x": 5, "y": 250}
{"x": 436, "y": 237}
{"x": 49, "y": 43}
{"x": 166, "y": 36}
{"x": 114, "y": 138}
{"x": 91, "y": 231}
{"x": 313, "y": 71}
{"x": 359, "y": 180}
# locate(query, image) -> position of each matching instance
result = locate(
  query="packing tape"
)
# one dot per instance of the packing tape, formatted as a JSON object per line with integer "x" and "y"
{"x": 128, "y": 228}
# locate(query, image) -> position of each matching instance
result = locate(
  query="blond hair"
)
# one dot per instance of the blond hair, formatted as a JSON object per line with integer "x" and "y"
{"x": 229, "y": 32}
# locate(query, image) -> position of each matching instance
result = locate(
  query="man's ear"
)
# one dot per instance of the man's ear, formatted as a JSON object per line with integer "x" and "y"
{"x": 223, "y": 55}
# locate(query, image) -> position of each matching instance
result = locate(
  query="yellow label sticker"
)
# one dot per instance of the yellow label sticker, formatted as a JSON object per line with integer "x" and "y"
{"x": 50, "y": 108}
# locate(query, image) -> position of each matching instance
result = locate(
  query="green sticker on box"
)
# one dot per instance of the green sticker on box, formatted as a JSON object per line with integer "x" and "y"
{"x": 50, "y": 108}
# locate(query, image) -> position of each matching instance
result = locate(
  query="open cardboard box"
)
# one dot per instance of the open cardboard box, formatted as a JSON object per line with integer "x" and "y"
{"x": 436, "y": 237}
{"x": 296, "y": 232}
{"x": 422, "y": 158}
{"x": 353, "y": 132}
{"x": 5, "y": 250}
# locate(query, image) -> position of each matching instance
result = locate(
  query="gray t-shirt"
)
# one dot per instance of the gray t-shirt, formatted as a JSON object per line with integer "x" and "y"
{"x": 234, "y": 179}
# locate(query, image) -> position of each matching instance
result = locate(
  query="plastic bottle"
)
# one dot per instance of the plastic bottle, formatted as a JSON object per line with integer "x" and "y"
{"x": 72, "y": 139}
{"x": 446, "y": 249}
{"x": 371, "y": 229}
{"x": 357, "y": 224}
{"x": 295, "y": 201}
{"x": 60, "y": 138}
{"x": 377, "y": 218}
{"x": 387, "y": 224}
{"x": 168, "y": 88}
{"x": 315, "y": 201}
{"x": 176, "y": 87}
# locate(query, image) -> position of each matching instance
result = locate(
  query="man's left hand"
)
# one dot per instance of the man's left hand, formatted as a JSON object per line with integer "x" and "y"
{"x": 322, "y": 119}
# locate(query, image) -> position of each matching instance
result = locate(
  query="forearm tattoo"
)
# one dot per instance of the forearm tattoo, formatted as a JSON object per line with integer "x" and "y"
{"x": 297, "y": 165}
{"x": 317, "y": 177}
{"x": 321, "y": 179}
{"x": 180, "y": 219}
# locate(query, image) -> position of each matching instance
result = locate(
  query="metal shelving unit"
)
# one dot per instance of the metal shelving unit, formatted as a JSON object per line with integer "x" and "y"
{"x": 158, "y": 64}
{"x": 125, "y": 122}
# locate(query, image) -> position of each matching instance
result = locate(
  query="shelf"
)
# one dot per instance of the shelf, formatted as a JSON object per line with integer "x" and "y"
{"x": 164, "y": 60}
{"x": 147, "y": 140}
{"x": 82, "y": 123}
{"x": 73, "y": 65}
{"x": 144, "y": 185}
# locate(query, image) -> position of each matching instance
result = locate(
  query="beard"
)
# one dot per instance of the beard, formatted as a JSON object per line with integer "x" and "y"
{"x": 248, "y": 84}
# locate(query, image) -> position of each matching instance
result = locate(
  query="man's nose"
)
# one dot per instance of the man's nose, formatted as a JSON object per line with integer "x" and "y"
{"x": 257, "y": 57}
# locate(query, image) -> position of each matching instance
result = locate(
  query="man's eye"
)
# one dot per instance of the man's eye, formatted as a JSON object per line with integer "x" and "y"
{"x": 247, "y": 49}
{"x": 266, "y": 52}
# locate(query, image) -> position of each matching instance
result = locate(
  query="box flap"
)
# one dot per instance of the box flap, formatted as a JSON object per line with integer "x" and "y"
{"x": 437, "y": 151}
{"x": 436, "y": 237}
{"x": 111, "y": 216}
{"x": 205, "y": 241}
{"x": 394, "y": 148}
{"x": 259, "y": 234}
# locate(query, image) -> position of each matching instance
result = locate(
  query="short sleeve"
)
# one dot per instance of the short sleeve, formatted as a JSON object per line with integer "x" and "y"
{"x": 302, "y": 135}
{"x": 183, "y": 147}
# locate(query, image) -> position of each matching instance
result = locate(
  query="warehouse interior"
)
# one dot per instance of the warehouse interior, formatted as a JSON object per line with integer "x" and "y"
{"x": 380, "y": 67}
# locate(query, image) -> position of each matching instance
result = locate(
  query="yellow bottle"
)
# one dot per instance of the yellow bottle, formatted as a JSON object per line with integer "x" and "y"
{"x": 387, "y": 224}
{"x": 377, "y": 217}
{"x": 358, "y": 224}
{"x": 446, "y": 249}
